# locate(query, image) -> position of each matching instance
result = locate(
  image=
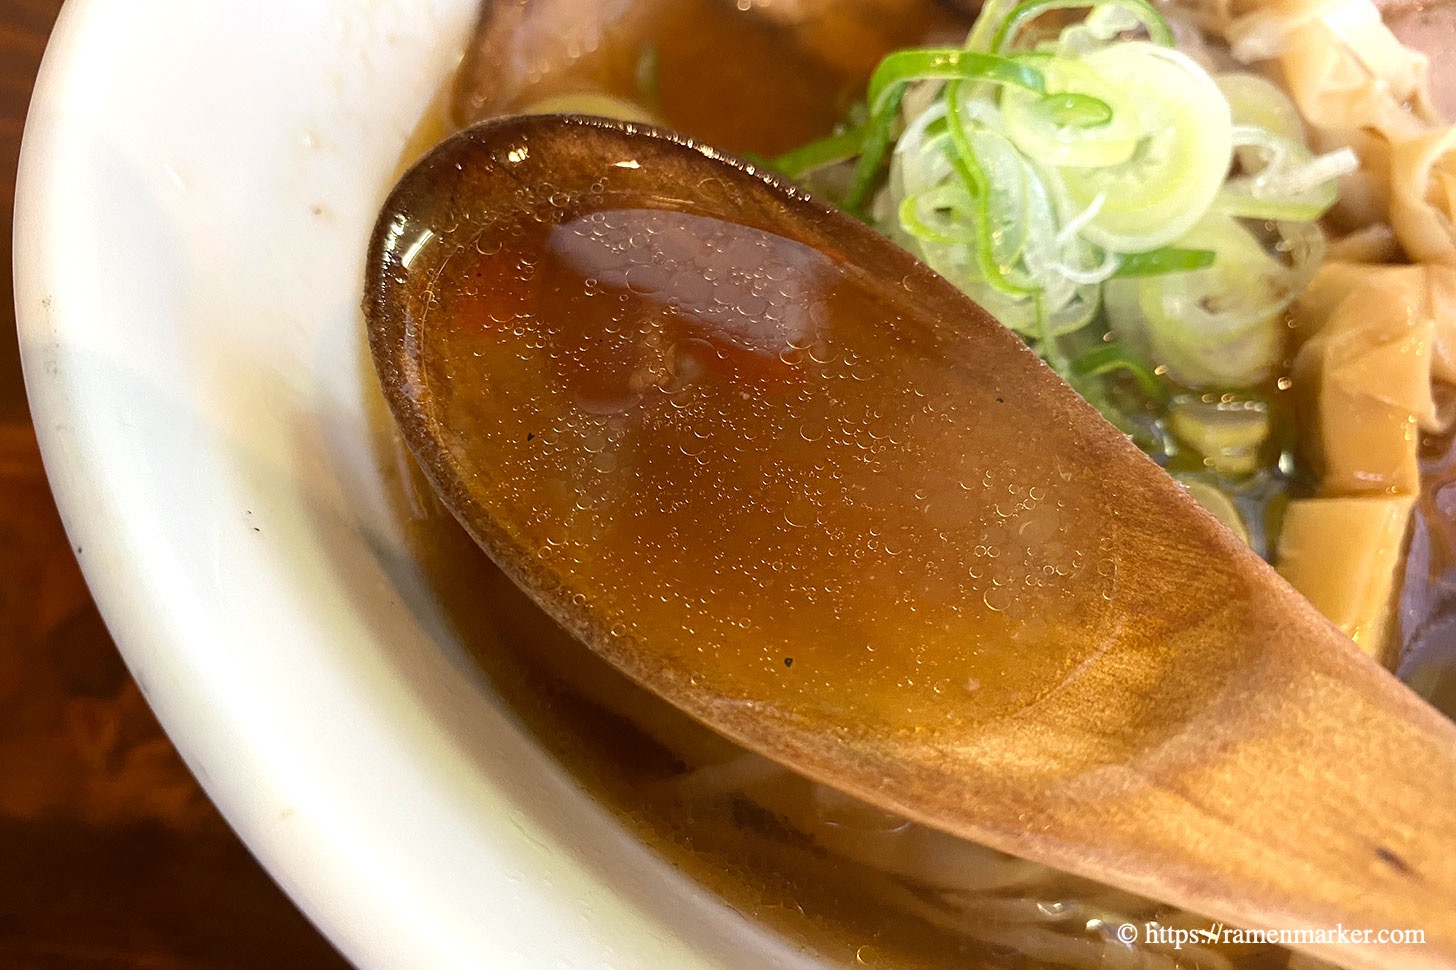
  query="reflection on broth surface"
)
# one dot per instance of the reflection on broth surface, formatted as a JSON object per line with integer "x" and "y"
{"x": 679, "y": 399}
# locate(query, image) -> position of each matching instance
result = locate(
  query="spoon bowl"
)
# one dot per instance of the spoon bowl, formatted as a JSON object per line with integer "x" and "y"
{"x": 788, "y": 478}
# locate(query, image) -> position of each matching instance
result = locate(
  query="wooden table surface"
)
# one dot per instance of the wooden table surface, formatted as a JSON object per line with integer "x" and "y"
{"x": 111, "y": 857}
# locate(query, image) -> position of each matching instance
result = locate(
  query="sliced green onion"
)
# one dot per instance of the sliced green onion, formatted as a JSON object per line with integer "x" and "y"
{"x": 993, "y": 14}
{"x": 1073, "y": 110}
{"x": 1291, "y": 183}
{"x": 1184, "y": 139}
{"x": 1084, "y": 120}
{"x": 838, "y": 147}
{"x": 948, "y": 64}
{"x": 1113, "y": 357}
{"x": 911, "y": 218}
{"x": 1158, "y": 30}
{"x": 1169, "y": 259}
{"x": 1047, "y": 340}
{"x": 963, "y": 159}
{"x": 877, "y": 142}
{"x": 1223, "y": 326}
{"x": 1088, "y": 180}
{"x": 1254, "y": 100}
{"x": 940, "y": 126}
{"x": 887, "y": 90}
{"x": 969, "y": 168}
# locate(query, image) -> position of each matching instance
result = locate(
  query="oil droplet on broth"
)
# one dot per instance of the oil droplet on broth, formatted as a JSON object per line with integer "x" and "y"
{"x": 745, "y": 427}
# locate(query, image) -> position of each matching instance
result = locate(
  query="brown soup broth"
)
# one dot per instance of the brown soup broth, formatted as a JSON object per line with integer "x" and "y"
{"x": 591, "y": 719}
{"x": 606, "y": 731}
{"x": 642, "y": 758}
{"x": 672, "y": 781}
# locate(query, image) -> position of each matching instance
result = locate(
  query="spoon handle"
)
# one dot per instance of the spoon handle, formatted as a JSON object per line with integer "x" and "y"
{"x": 1312, "y": 793}
{"x": 1330, "y": 792}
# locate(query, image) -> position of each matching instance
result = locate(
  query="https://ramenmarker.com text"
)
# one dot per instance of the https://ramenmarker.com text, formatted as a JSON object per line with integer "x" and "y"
{"x": 1178, "y": 937}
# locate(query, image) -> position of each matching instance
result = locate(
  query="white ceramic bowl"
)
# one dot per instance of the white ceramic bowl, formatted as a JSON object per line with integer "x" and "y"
{"x": 197, "y": 184}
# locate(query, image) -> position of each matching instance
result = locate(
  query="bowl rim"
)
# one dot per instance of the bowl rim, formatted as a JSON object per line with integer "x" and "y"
{"x": 430, "y": 870}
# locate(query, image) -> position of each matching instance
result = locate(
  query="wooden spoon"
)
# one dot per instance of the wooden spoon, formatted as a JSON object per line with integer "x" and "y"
{"x": 791, "y": 480}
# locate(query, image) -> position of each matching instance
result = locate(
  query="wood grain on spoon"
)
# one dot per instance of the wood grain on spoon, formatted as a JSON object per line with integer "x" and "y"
{"x": 791, "y": 480}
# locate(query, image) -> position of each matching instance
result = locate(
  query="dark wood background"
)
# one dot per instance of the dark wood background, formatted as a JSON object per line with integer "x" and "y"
{"x": 111, "y": 858}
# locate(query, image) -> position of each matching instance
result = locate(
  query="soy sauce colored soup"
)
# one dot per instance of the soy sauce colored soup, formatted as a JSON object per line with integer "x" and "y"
{"x": 1237, "y": 260}
{"x": 704, "y": 418}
